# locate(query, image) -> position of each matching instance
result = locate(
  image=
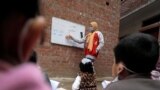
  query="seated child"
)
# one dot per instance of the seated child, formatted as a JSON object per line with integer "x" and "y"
{"x": 86, "y": 78}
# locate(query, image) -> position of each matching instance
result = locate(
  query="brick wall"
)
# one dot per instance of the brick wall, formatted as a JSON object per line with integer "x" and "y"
{"x": 130, "y": 5}
{"x": 63, "y": 61}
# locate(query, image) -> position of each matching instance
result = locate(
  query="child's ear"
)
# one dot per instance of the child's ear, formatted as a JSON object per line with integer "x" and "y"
{"x": 120, "y": 68}
{"x": 30, "y": 35}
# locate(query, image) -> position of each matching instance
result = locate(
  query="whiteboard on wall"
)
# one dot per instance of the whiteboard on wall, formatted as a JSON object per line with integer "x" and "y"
{"x": 60, "y": 28}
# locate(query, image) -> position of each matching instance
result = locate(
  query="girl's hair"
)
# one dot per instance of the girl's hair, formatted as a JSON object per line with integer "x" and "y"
{"x": 87, "y": 67}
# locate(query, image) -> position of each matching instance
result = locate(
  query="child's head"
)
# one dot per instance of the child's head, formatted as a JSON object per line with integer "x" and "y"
{"x": 21, "y": 27}
{"x": 86, "y": 66}
{"x": 136, "y": 53}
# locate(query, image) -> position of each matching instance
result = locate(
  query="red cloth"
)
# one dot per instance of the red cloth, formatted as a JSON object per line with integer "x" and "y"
{"x": 95, "y": 45}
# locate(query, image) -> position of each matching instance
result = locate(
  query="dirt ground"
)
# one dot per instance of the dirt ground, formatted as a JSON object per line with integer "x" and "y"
{"x": 67, "y": 83}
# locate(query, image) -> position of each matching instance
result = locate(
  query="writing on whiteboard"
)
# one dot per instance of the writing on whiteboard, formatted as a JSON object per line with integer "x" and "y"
{"x": 60, "y": 28}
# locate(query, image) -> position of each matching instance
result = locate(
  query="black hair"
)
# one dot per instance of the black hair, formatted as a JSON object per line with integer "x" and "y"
{"x": 139, "y": 52}
{"x": 33, "y": 57}
{"x": 28, "y": 8}
{"x": 87, "y": 67}
{"x": 9, "y": 37}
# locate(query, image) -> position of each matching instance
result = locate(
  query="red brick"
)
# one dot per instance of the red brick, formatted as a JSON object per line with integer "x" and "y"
{"x": 63, "y": 61}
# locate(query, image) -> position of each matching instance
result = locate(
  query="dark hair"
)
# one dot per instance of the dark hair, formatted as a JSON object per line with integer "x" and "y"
{"x": 139, "y": 52}
{"x": 28, "y": 8}
{"x": 87, "y": 67}
{"x": 33, "y": 58}
{"x": 9, "y": 37}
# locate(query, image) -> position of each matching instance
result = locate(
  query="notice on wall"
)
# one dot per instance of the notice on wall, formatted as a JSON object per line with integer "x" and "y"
{"x": 60, "y": 28}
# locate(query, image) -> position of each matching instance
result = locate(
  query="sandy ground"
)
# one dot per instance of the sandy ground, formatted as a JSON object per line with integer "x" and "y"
{"x": 67, "y": 83}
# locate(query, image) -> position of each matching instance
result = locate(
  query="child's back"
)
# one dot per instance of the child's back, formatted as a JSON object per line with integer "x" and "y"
{"x": 86, "y": 79}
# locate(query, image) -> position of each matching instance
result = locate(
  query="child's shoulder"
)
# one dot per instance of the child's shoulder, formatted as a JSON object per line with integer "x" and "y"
{"x": 23, "y": 76}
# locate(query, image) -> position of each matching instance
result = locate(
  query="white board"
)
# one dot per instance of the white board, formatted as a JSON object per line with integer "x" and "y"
{"x": 60, "y": 28}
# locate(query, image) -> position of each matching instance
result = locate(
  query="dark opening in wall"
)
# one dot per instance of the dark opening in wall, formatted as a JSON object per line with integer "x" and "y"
{"x": 155, "y": 30}
{"x": 151, "y": 20}
{"x": 107, "y": 3}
